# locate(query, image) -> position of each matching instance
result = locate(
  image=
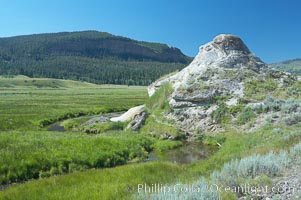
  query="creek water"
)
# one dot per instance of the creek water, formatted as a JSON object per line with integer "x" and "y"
{"x": 188, "y": 153}
{"x": 93, "y": 120}
{"x": 56, "y": 127}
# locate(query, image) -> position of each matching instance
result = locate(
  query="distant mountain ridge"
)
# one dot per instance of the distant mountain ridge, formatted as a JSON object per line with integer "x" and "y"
{"x": 292, "y": 66}
{"x": 92, "y": 56}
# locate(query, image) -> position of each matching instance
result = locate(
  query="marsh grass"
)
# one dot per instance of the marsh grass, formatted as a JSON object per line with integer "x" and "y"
{"x": 113, "y": 181}
{"x": 80, "y": 151}
{"x": 28, "y": 155}
{"x": 25, "y": 107}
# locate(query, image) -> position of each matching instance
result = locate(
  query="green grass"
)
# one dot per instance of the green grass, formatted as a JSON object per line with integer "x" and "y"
{"x": 21, "y": 81}
{"x": 116, "y": 183}
{"x": 74, "y": 124}
{"x": 259, "y": 89}
{"x": 158, "y": 99}
{"x": 24, "y": 107}
{"x": 163, "y": 145}
{"x": 245, "y": 116}
{"x": 113, "y": 183}
{"x": 220, "y": 115}
{"x": 103, "y": 127}
{"x": 28, "y": 152}
{"x": 155, "y": 127}
{"x": 238, "y": 145}
{"x": 27, "y": 155}
{"x": 157, "y": 106}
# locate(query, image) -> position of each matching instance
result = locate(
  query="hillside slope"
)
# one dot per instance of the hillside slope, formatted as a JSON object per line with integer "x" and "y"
{"x": 292, "y": 66}
{"x": 92, "y": 56}
{"x": 21, "y": 81}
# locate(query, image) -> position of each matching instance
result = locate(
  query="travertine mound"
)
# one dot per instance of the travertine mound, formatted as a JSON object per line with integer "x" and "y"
{"x": 219, "y": 71}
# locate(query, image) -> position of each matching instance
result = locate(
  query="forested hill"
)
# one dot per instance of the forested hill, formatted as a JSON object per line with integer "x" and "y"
{"x": 91, "y": 56}
{"x": 292, "y": 66}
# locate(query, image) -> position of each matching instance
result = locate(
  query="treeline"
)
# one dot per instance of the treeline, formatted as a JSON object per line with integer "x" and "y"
{"x": 100, "y": 71}
{"x": 91, "y": 56}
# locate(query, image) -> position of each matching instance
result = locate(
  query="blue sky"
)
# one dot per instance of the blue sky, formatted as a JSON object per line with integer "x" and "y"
{"x": 271, "y": 28}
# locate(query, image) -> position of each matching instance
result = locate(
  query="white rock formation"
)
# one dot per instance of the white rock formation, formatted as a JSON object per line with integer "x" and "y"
{"x": 218, "y": 70}
{"x": 224, "y": 52}
{"x": 129, "y": 115}
{"x": 220, "y": 75}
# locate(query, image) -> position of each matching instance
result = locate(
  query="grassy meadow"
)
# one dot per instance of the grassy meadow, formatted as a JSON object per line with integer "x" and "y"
{"x": 109, "y": 164}
{"x": 121, "y": 182}
{"x": 31, "y": 104}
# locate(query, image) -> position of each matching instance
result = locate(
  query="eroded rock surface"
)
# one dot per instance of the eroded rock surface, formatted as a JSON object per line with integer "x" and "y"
{"x": 217, "y": 72}
{"x": 137, "y": 121}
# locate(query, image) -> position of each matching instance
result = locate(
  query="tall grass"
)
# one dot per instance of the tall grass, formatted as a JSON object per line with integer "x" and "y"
{"x": 32, "y": 108}
{"x": 159, "y": 98}
{"x": 198, "y": 190}
{"x": 158, "y": 105}
{"x": 113, "y": 183}
{"x": 28, "y": 155}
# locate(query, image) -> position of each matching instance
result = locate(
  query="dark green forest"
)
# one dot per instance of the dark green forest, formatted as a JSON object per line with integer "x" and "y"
{"x": 92, "y": 56}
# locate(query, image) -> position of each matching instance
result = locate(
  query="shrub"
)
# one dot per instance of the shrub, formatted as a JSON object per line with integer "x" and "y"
{"x": 234, "y": 110}
{"x": 268, "y": 105}
{"x": 250, "y": 167}
{"x": 291, "y": 105}
{"x": 271, "y": 104}
{"x": 290, "y": 108}
{"x": 245, "y": 116}
{"x": 255, "y": 169}
{"x": 257, "y": 89}
{"x": 268, "y": 120}
{"x": 295, "y": 89}
{"x": 295, "y": 153}
{"x": 292, "y": 119}
{"x": 277, "y": 131}
{"x": 219, "y": 115}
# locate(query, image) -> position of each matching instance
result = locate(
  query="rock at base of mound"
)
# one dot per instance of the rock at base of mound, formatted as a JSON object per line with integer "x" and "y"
{"x": 129, "y": 115}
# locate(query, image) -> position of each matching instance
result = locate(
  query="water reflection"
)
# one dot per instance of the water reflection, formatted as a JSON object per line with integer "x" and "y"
{"x": 188, "y": 153}
{"x": 56, "y": 127}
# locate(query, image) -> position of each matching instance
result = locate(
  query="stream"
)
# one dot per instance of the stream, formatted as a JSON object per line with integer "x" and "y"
{"x": 188, "y": 153}
{"x": 56, "y": 127}
{"x": 94, "y": 119}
